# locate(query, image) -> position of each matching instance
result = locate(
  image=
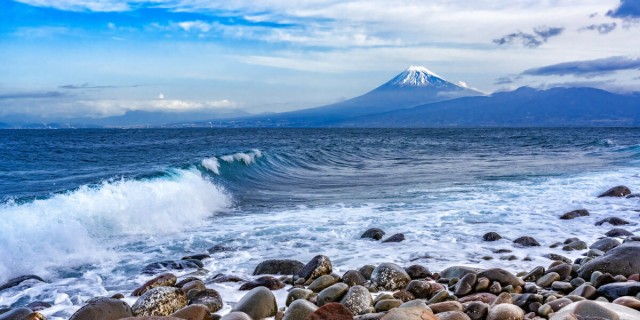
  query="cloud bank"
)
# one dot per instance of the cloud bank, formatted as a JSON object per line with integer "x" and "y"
{"x": 587, "y": 68}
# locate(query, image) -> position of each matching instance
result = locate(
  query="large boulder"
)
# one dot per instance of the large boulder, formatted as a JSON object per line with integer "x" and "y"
{"x": 621, "y": 260}
{"x": 503, "y": 276}
{"x": 284, "y": 267}
{"x": 163, "y": 280}
{"x": 318, "y": 266}
{"x": 103, "y": 308}
{"x": 595, "y": 310}
{"x": 160, "y": 301}
{"x": 332, "y": 294}
{"x": 358, "y": 300}
{"x": 390, "y": 276}
{"x": 299, "y": 310}
{"x": 616, "y": 290}
{"x": 18, "y": 280}
{"x": 373, "y": 233}
{"x": 526, "y": 241}
{"x": 258, "y": 303}
{"x": 617, "y": 191}
{"x": 574, "y": 214}
{"x": 605, "y": 244}
{"x": 209, "y": 298}
{"x": 458, "y": 271}
{"x": 265, "y": 281}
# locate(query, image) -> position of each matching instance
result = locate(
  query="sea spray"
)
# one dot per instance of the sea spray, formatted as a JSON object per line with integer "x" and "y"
{"x": 71, "y": 228}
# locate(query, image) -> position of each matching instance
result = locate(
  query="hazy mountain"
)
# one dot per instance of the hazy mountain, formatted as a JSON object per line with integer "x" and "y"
{"x": 415, "y": 86}
{"x": 129, "y": 119}
{"x": 522, "y": 107}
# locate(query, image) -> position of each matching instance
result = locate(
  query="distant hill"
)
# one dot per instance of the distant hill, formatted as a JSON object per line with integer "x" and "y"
{"x": 414, "y": 86}
{"x": 524, "y": 107}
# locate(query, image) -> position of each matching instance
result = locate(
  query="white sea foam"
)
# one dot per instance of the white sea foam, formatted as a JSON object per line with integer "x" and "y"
{"x": 73, "y": 228}
{"x": 212, "y": 164}
{"x": 246, "y": 157}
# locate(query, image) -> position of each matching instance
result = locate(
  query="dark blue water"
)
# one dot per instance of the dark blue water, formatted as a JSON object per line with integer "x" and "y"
{"x": 87, "y": 209}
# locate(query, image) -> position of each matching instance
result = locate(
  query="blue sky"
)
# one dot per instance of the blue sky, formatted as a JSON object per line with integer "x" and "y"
{"x": 71, "y": 58}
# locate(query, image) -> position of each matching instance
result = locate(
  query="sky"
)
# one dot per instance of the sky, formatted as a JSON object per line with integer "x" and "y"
{"x": 97, "y": 58}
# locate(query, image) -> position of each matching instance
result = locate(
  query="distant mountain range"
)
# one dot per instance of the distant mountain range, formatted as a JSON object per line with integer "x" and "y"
{"x": 417, "y": 97}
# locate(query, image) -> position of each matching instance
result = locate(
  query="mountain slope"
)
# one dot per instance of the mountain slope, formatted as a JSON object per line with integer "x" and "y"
{"x": 522, "y": 107}
{"x": 415, "y": 86}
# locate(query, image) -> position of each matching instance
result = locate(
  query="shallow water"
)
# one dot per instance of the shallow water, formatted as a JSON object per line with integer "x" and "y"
{"x": 87, "y": 209}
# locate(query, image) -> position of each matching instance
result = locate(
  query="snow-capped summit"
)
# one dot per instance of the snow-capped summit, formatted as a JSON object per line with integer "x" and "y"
{"x": 419, "y": 76}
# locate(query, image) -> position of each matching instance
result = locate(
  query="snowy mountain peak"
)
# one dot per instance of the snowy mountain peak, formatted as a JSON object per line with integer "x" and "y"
{"x": 419, "y": 76}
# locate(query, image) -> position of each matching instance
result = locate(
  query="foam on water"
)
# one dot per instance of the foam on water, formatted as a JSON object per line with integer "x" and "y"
{"x": 246, "y": 157}
{"x": 74, "y": 227}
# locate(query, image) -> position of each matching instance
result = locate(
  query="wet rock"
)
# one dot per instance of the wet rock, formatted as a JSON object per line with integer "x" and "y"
{"x": 585, "y": 290}
{"x": 353, "y": 278}
{"x": 22, "y": 314}
{"x": 322, "y": 283}
{"x": 298, "y": 294}
{"x": 193, "y": 312}
{"x": 414, "y": 313}
{"x": 534, "y": 274}
{"x": 332, "y": 294}
{"x": 18, "y": 280}
{"x": 222, "y": 278}
{"x": 420, "y": 289}
{"x": 103, "y": 308}
{"x": 476, "y": 310}
{"x": 603, "y": 279}
{"x": 373, "y": 233}
{"x": 574, "y": 214}
{"x": 268, "y": 282}
{"x": 503, "y": 297}
{"x": 440, "y": 296}
{"x": 209, "y": 298}
{"x": 465, "y": 285}
{"x": 163, "y": 280}
{"x": 614, "y": 221}
{"x": 457, "y": 272}
{"x": 563, "y": 270}
{"x": 193, "y": 286}
{"x": 557, "y": 257}
{"x": 331, "y": 311}
{"x": 618, "y": 233}
{"x": 357, "y": 300}
{"x": 276, "y": 266}
{"x": 446, "y": 306}
{"x": 605, "y": 244}
{"x": 390, "y": 276}
{"x": 452, "y": 315}
{"x": 622, "y": 260}
{"x": 595, "y": 310}
{"x": 236, "y": 315}
{"x": 417, "y": 271}
{"x": 616, "y": 290}
{"x": 200, "y": 257}
{"x": 258, "y": 303}
{"x": 184, "y": 281}
{"x": 398, "y": 237}
{"x": 162, "y": 266}
{"x": 299, "y": 310}
{"x": 484, "y": 297}
{"x": 575, "y": 245}
{"x": 561, "y": 286}
{"x": 491, "y": 236}
{"x": 505, "y": 312}
{"x": 617, "y": 191}
{"x": 629, "y": 302}
{"x": 387, "y": 304}
{"x": 38, "y": 305}
{"x": 495, "y": 287}
{"x": 159, "y": 301}
{"x": 524, "y": 300}
{"x": 404, "y": 295}
{"x": 546, "y": 280}
{"x": 504, "y": 277}
{"x": 526, "y": 242}
{"x": 366, "y": 271}
{"x": 318, "y": 266}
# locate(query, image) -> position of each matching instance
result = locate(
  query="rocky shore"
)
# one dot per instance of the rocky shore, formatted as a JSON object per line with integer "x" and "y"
{"x": 604, "y": 283}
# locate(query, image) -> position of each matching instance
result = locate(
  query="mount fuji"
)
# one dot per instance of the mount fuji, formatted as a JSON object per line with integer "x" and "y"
{"x": 414, "y": 86}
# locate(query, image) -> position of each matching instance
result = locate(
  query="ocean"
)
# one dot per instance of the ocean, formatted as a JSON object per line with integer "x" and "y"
{"x": 86, "y": 210}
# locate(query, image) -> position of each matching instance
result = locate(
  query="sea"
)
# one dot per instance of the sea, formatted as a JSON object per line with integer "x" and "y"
{"x": 86, "y": 210}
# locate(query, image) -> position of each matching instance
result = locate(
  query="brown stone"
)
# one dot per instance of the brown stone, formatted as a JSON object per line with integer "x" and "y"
{"x": 331, "y": 311}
